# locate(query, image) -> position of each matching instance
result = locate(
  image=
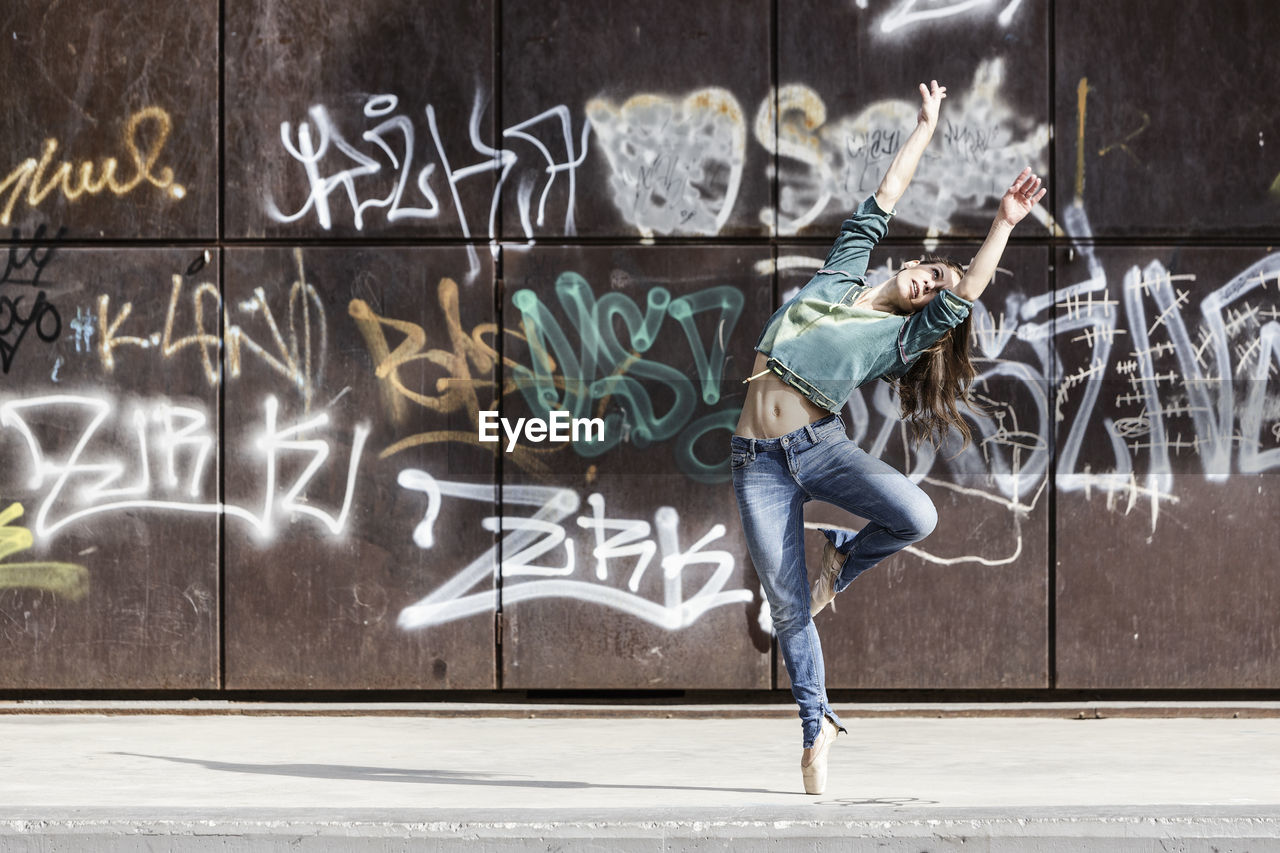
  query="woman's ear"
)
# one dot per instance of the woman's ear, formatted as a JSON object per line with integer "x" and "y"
{"x": 910, "y": 264}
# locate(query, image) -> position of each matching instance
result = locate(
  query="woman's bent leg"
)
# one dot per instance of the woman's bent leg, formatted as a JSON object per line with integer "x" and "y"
{"x": 898, "y": 513}
{"x": 771, "y": 506}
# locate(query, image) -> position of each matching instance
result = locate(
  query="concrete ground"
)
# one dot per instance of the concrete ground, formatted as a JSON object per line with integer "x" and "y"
{"x": 232, "y": 778}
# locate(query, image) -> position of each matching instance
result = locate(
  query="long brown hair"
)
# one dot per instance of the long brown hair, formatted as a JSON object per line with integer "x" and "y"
{"x": 938, "y": 381}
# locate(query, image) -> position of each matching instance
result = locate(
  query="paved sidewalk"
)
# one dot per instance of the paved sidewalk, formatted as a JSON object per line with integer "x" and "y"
{"x": 231, "y": 782}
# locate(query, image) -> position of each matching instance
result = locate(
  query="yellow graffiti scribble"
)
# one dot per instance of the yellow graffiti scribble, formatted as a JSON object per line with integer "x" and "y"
{"x": 1146, "y": 122}
{"x": 295, "y": 367}
{"x": 206, "y": 341}
{"x": 1082, "y": 92}
{"x": 376, "y": 342}
{"x": 293, "y": 355}
{"x": 74, "y": 182}
{"x": 110, "y": 339}
{"x": 1275, "y": 186}
{"x": 66, "y": 579}
{"x": 456, "y": 391}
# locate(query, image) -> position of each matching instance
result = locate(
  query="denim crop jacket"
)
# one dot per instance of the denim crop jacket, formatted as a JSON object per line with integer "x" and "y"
{"x": 824, "y": 346}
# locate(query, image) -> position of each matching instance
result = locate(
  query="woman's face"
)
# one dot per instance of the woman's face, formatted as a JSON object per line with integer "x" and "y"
{"x": 916, "y": 285}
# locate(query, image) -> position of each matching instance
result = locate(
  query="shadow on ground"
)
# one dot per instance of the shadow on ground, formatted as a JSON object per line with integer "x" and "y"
{"x": 430, "y": 777}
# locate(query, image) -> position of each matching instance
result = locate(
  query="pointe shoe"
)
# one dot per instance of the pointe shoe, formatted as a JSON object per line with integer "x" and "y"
{"x": 824, "y": 588}
{"x": 815, "y": 771}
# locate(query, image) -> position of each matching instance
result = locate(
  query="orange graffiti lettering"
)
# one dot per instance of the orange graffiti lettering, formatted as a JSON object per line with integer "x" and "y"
{"x": 456, "y": 390}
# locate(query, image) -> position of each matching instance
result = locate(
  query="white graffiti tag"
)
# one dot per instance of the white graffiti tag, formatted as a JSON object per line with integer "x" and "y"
{"x": 677, "y": 164}
{"x": 983, "y": 140}
{"x": 542, "y": 535}
{"x": 90, "y": 479}
{"x": 383, "y": 177}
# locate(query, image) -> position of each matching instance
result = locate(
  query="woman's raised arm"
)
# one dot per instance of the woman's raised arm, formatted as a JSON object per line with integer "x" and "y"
{"x": 1022, "y": 195}
{"x": 903, "y": 167}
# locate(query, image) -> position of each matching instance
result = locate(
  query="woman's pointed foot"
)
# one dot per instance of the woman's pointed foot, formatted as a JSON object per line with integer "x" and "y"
{"x": 813, "y": 762}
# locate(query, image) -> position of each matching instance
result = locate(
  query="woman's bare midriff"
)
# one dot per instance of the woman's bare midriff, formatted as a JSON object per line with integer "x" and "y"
{"x": 773, "y": 408}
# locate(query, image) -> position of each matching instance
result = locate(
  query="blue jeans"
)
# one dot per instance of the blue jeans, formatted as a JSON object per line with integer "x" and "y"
{"x": 773, "y": 479}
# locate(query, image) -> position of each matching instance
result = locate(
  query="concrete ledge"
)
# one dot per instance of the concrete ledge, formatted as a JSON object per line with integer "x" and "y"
{"x": 623, "y": 710}
{"x": 231, "y": 783}
{"x": 876, "y": 828}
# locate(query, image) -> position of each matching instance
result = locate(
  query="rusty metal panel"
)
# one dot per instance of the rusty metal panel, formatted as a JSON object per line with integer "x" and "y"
{"x": 966, "y": 608}
{"x": 365, "y": 521}
{"x": 108, "y": 468}
{"x": 624, "y": 565}
{"x": 847, "y": 74}
{"x": 662, "y": 100}
{"x": 1193, "y": 156}
{"x": 354, "y": 378}
{"x": 356, "y": 119}
{"x": 1167, "y": 481}
{"x": 108, "y": 115}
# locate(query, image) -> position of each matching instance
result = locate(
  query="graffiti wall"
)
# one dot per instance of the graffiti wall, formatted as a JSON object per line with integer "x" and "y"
{"x": 398, "y": 345}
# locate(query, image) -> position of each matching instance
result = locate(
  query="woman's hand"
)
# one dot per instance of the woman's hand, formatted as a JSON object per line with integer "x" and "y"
{"x": 1018, "y": 200}
{"x": 930, "y": 100}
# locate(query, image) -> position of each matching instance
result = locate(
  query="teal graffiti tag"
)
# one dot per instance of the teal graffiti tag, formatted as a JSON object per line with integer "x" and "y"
{"x": 575, "y": 378}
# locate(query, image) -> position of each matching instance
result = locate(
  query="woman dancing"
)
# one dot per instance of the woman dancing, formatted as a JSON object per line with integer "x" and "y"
{"x": 790, "y": 446}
